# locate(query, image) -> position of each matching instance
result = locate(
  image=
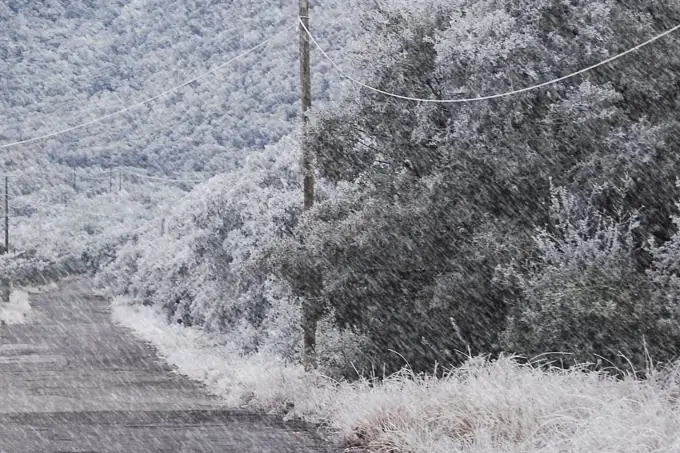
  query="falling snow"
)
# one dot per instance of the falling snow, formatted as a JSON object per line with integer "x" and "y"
{"x": 490, "y": 264}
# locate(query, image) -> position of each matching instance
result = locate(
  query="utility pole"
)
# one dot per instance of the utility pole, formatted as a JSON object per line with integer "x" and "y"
{"x": 75, "y": 187}
{"x": 5, "y": 282}
{"x": 110, "y": 179}
{"x": 120, "y": 180}
{"x": 308, "y": 310}
{"x": 6, "y": 214}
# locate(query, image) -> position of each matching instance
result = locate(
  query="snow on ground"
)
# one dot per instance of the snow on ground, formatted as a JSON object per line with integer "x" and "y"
{"x": 481, "y": 407}
{"x": 16, "y": 311}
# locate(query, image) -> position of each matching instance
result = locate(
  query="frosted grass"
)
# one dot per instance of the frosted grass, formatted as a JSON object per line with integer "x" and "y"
{"x": 480, "y": 407}
{"x": 17, "y": 310}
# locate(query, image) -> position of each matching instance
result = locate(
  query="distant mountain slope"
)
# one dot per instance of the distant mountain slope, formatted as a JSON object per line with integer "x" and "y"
{"x": 66, "y": 62}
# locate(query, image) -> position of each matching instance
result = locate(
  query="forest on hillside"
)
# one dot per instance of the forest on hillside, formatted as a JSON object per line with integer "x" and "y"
{"x": 67, "y": 63}
{"x": 544, "y": 222}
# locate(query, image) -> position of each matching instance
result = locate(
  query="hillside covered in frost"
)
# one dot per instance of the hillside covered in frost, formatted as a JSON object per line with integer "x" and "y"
{"x": 69, "y": 63}
{"x": 542, "y": 223}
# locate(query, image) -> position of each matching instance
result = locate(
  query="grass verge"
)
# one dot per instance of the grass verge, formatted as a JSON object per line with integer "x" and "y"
{"x": 481, "y": 407}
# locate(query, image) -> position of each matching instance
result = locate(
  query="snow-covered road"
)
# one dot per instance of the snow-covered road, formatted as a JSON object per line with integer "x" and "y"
{"x": 72, "y": 381}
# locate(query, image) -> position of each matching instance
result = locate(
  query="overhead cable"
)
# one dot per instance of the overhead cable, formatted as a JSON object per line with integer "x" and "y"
{"x": 146, "y": 101}
{"x": 159, "y": 178}
{"x": 488, "y": 97}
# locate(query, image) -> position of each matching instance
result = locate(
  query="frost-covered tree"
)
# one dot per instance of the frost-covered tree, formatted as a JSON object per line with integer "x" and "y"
{"x": 434, "y": 198}
{"x": 213, "y": 267}
{"x": 583, "y": 296}
{"x": 205, "y": 267}
{"x": 665, "y": 275}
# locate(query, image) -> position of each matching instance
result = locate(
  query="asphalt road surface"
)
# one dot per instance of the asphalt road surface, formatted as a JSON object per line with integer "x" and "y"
{"x": 73, "y": 382}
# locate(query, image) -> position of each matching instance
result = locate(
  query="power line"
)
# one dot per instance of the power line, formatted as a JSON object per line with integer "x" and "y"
{"x": 102, "y": 72}
{"x": 146, "y": 101}
{"x": 489, "y": 97}
{"x": 101, "y": 176}
{"x": 159, "y": 178}
{"x": 56, "y": 210}
{"x": 55, "y": 207}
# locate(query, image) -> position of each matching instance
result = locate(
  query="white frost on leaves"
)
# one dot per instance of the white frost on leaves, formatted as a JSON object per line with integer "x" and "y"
{"x": 16, "y": 311}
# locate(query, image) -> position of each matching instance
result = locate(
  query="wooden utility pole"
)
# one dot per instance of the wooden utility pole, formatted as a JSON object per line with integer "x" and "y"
{"x": 306, "y": 101}
{"x": 309, "y": 318}
{"x": 6, "y": 214}
{"x": 5, "y": 282}
{"x": 110, "y": 179}
{"x": 75, "y": 187}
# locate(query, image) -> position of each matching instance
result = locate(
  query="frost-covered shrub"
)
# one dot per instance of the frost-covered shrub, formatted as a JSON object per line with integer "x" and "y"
{"x": 211, "y": 267}
{"x": 665, "y": 275}
{"x": 582, "y": 294}
{"x": 77, "y": 235}
{"x": 402, "y": 275}
{"x": 25, "y": 269}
